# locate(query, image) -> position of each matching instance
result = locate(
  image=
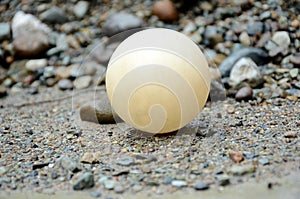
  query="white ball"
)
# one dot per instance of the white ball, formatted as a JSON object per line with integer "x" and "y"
{"x": 157, "y": 80}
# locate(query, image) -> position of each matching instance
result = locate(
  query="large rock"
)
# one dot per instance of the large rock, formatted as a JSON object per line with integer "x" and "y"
{"x": 98, "y": 112}
{"x": 245, "y": 70}
{"x": 30, "y": 36}
{"x": 259, "y": 56}
{"x": 119, "y": 22}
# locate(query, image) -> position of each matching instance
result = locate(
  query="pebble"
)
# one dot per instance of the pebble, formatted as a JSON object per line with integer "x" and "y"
{"x": 236, "y": 156}
{"x": 29, "y": 34}
{"x": 83, "y": 82}
{"x": 90, "y": 157}
{"x": 294, "y": 72}
{"x": 242, "y": 170}
{"x": 178, "y": 183}
{"x": 3, "y": 91}
{"x": 98, "y": 112}
{"x": 119, "y": 22}
{"x": 34, "y": 64}
{"x": 263, "y": 161}
{"x": 4, "y": 31}
{"x": 259, "y": 56}
{"x": 165, "y": 10}
{"x": 245, "y": 70}
{"x": 295, "y": 59}
{"x": 109, "y": 184}
{"x": 96, "y": 194}
{"x": 200, "y": 186}
{"x": 244, "y": 93}
{"x": 125, "y": 161}
{"x": 291, "y": 134}
{"x": 65, "y": 84}
{"x": 85, "y": 181}
{"x": 254, "y": 28}
{"x": 54, "y": 15}
{"x": 245, "y": 39}
{"x": 281, "y": 38}
{"x": 81, "y": 8}
{"x": 63, "y": 72}
{"x": 119, "y": 189}
{"x": 68, "y": 164}
{"x": 223, "y": 180}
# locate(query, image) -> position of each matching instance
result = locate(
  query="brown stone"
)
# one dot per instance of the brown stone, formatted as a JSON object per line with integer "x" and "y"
{"x": 236, "y": 156}
{"x": 165, "y": 10}
{"x": 244, "y": 93}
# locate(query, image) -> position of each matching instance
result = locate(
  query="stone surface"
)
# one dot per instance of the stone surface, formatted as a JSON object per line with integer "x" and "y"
{"x": 83, "y": 82}
{"x": 29, "y": 34}
{"x": 81, "y": 8}
{"x": 179, "y": 183}
{"x": 54, "y": 15}
{"x": 242, "y": 170}
{"x": 281, "y": 38}
{"x": 200, "y": 186}
{"x": 120, "y": 22}
{"x": 244, "y": 93}
{"x": 165, "y": 10}
{"x": 65, "y": 84}
{"x": 35, "y": 64}
{"x": 259, "y": 56}
{"x": 4, "y": 31}
{"x": 85, "y": 181}
{"x": 98, "y": 112}
{"x": 254, "y": 28}
{"x": 90, "y": 157}
{"x": 245, "y": 70}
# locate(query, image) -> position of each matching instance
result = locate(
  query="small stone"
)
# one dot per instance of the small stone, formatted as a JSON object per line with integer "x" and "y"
{"x": 3, "y": 91}
{"x": 245, "y": 39}
{"x": 109, "y": 184}
{"x": 85, "y": 181}
{"x": 200, "y": 186}
{"x": 4, "y": 31}
{"x": 295, "y": 59}
{"x": 245, "y": 93}
{"x": 179, "y": 183}
{"x": 281, "y": 38}
{"x": 125, "y": 161}
{"x": 119, "y": 189}
{"x": 254, "y": 28}
{"x": 295, "y": 23}
{"x": 165, "y": 10}
{"x": 167, "y": 180}
{"x": 120, "y": 22}
{"x": 263, "y": 161}
{"x": 65, "y": 84}
{"x": 291, "y": 134}
{"x": 206, "y": 6}
{"x": 242, "y": 170}
{"x": 83, "y": 82}
{"x": 81, "y": 8}
{"x": 96, "y": 194}
{"x": 230, "y": 109}
{"x": 35, "y": 64}
{"x": 68, "y": 164}
{"x": 90, "y": 157}
{"x": 223, "y": 180}
{"x": 245, "y": 70}
{"x": 63, "y": 72}
{"x": 294, "y": 72}
{"x": 3, "y": 170}
{"x": 98, "y": 112}
{"x": 54, "y": 15}
{"x": 236, "y": 156}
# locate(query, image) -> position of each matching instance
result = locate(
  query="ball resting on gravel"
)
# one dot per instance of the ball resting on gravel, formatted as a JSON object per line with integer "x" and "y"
{"x": 157, "y": 80}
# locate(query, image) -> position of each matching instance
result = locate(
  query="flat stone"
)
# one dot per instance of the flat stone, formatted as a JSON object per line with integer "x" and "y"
{"x": 85, "y": 181}
{"x": 242, "y": 170}
{"x": 236, "y": 156}
{"x": 69, "y": 164}
{"x": 4, "y": 31}
{"x": 119, "y": 22}
{"x": 109, "y": 184}
{"x": 259, "y": 56}
{"x": 125, "y": 161}
{"x": 295, "y": 60}
{"x": 90, "y": 157}
{"x": 245, "y": 70}
{"x": 80, "y": 9}
{"x": 98, "y": 112}
{"x": 223, "y": 180}
{"x": 83, "y": 82}
{"x": 54, "y": 15}
{"x": 35, "y": 64}
{"x": 200, "y": 186}
{"x": 179, "y": 183}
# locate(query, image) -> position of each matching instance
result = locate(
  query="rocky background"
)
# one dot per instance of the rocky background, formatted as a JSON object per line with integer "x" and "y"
{"x": 43, "y": 48}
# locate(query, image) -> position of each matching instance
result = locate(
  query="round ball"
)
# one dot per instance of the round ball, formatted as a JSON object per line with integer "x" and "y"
{"x": 157, "y": 80}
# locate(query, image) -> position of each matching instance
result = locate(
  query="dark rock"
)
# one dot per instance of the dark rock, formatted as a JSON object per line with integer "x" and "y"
{"x": 119, "y": 22}
{"x": 84, "y": 182}
{"x": 259, "y": 56}
{"x": 54, "y": 15}
{"x": 244, "y": 93}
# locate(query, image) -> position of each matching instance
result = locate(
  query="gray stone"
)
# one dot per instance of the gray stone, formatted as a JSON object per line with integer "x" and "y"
{"x": 244, "y": 93}
{"x": 255, "y": 27}
{"x": 179, "y": 183}
{"x": 83, "y": 82}
{"x": 68, "y": 164}
{"x": 125, "y": 161}
{"x": 3, "y": 93}
{"x": 242, "y": 170}
{"x": 109, "y": 184}
{"x": 81, "y": 8}
{"x": 259, "y": 56}
{"x": 98, "y": 112}
{"x": 85, "y": 181}
{"x": 4, "y": 31}
{"x": 245, "y": 70}
{"x": 33, "y": 65}
{"x": 119, "y": 189}
{"x": 54, "y": 15}
{"x": 119, "y": 22}
{"x": 281, "y": 38}
{"x": 201, "y": 186}
{"x": 65, "y": 84}
{"x": 263, "y": 161}
{"x": 294, "y": 72}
